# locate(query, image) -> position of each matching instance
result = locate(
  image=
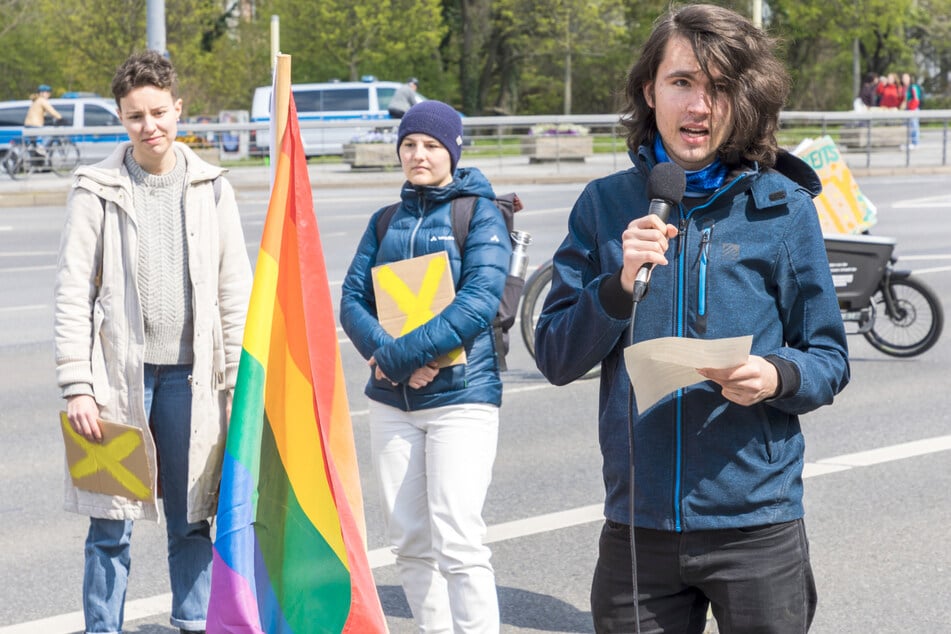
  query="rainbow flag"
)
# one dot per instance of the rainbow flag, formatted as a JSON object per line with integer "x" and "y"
{"x": 289, "y": 555}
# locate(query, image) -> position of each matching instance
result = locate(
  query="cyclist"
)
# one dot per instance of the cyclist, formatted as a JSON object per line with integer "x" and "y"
{"x": 36, "y": 115}
{"x": 404, "y": 98}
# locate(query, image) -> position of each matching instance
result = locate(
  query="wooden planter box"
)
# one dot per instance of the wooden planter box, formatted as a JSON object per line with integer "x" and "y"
{"x": 883, "y": 135}
{"x": 557, "y": 147}
{"x": 364, "y": 155}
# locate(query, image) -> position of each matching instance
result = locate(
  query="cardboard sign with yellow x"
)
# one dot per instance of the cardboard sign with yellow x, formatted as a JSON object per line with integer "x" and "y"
{"x": 411, "y": 292}
{"x": 118, "y": 465}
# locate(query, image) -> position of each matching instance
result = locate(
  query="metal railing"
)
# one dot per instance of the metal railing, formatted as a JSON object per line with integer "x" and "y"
{"x": 865, "y": 139}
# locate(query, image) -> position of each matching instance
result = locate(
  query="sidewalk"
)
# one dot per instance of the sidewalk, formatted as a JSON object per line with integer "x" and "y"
{"x": 48, "y": 189}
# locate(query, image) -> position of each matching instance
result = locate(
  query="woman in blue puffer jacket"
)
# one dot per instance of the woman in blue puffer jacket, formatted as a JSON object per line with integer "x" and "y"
{"x": 434, "y": 430}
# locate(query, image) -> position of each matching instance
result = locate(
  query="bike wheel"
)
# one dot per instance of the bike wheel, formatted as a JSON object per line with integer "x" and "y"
{"x": 533, "y": 299}
{"x": 63, "y": 158}
{"x": 13, "y": 163}
{"x": 914, "y": 322}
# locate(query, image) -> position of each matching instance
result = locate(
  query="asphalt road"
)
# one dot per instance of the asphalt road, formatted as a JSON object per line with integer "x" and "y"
{"x": 878, "y": 493}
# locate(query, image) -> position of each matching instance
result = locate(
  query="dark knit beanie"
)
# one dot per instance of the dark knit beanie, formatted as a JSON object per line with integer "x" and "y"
{"x": 439, "y": 121}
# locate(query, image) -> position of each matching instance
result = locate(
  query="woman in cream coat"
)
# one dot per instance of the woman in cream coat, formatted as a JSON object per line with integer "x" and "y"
{"x": 105, "y": 337}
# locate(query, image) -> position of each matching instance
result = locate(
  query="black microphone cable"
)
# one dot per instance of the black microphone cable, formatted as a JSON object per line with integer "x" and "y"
{"x": 665, "y": 188}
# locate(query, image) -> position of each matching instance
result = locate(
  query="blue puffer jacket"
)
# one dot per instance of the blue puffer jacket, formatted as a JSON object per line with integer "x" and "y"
{"x": 423, "y": 225}
{"x": 748, "y": 260}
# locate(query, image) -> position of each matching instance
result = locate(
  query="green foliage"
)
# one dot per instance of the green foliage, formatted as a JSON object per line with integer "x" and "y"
{"x": 391, "y": 39}
{"x": 483, "y": 56}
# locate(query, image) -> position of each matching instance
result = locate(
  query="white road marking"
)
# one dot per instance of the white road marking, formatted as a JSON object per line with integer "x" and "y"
{"x": 381, "y": 557}
{"x": 28, "y": 269}
{"x": 942, "y": 201}
{"x": 10, "y": 309}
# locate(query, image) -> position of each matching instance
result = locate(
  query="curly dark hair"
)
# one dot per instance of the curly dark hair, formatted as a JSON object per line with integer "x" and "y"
{"x": 147, "y": 68}
{"x": 755, "y": 81}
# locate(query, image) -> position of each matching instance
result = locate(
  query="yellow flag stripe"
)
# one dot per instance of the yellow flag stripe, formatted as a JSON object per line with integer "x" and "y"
{"x": 289, "y": 402}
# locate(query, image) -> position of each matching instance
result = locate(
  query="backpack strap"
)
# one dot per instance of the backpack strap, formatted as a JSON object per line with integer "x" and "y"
{"x": 461, "y": 210}
{"x": 383, "y": 221}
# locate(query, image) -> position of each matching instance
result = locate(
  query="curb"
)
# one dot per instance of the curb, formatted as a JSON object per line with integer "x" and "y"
{"x": 46, "y": 193}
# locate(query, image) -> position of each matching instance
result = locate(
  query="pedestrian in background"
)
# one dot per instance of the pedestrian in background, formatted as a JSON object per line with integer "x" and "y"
{"x": 404, "y": 98}
{"x": 912, "y": 103}
{"x": 433, "y": 430}
{"x": 152, "y": 287}
{"x": 867, "y": 95}
{"x": 717, "y": 488}
{"x": 890, "y": 92}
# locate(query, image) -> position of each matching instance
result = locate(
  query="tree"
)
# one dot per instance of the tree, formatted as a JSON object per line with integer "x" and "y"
{"x": 347, "y": 39}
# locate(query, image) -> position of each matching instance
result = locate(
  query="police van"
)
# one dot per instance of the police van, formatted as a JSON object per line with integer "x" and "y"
{"x": 362, "y": 102}
{"x": 77, "y": 112}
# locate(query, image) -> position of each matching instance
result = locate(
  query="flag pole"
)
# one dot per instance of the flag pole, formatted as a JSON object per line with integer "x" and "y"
{"x": 282, "y": 94}
{"x": 280, "y": 97}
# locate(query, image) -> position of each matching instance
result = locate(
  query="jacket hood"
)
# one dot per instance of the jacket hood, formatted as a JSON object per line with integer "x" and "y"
{"x": 799, "y": 172}
{"x": 467, "y": 181}
{"x": 767, "y": 190}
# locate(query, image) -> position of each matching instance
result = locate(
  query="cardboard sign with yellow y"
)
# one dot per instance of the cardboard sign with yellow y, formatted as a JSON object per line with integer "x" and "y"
{"x": 117, "y": 465}
{"x": 411, "y": 292}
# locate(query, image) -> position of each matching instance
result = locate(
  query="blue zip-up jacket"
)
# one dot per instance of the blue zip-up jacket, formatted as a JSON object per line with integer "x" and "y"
{"x": 748, "y": 260}
{"x": 423, "y": 225}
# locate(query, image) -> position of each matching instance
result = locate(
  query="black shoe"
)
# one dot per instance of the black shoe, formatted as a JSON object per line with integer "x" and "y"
{"x": 191, "y": 631}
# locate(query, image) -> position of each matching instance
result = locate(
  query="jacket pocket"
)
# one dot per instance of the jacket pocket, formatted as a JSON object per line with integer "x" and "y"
{"x": 703, "y": 258}
{"x": 219, "y": 363}
{"x": 98, "y": 366}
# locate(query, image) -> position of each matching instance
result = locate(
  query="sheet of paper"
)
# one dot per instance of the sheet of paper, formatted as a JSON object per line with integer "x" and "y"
{"x": 657, "y": 367}
{"x": 118, "y": 465}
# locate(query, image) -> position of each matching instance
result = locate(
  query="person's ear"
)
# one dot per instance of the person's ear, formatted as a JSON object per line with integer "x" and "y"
{"x": 649, "y": 93}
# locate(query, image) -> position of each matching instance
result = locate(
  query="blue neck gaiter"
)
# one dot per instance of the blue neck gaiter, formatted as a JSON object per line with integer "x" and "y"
{"x": 701, "y": 182}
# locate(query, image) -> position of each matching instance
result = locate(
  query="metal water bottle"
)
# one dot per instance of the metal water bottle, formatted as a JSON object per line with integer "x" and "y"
{"x": 518, "y": 264}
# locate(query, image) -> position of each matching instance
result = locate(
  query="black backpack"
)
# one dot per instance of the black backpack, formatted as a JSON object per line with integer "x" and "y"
{"x": 462, "y": 209}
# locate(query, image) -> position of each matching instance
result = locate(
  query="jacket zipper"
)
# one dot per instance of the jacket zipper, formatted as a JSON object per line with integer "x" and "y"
{"x": 681, "y": 311}
{"x": 678, "y": 409}
{"x": 412, "y": 253}
{"x": 681, "y": 315}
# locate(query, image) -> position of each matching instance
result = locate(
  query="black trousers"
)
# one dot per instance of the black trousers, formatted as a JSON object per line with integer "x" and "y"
{"x": 757, "y": 579}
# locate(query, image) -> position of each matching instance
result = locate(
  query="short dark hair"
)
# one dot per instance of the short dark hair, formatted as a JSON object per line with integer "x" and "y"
{"x": 147, "y": 68}
{"x": 755, "y": 81}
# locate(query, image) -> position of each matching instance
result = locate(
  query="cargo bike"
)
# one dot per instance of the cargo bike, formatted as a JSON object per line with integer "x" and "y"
{"x": 896, "y": 312}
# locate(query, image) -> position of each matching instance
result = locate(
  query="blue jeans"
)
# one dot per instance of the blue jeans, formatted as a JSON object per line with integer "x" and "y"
{"x": 914, "y": 130}
{"x": 758, "y": 580}
{"x": 168, "y": 406}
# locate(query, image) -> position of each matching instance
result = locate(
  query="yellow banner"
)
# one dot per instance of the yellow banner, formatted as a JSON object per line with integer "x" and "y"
{"x": 842, "y": 207}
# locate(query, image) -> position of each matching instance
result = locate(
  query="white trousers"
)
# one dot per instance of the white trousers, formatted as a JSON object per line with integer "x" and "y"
{"x": 434, "y": 468}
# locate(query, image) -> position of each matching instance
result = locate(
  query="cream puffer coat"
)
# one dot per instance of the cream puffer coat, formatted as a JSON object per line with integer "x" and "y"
{"x": 99, "y": 332}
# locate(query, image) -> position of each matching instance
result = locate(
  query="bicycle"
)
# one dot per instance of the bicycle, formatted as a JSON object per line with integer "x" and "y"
{"x": 533, "y": 298}
{"x": 897, "y": 313}
{"x": 59, "y": 155}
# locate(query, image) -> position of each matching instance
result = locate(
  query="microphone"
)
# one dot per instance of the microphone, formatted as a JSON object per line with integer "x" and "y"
{"x": 665, "y": 188}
